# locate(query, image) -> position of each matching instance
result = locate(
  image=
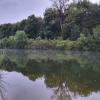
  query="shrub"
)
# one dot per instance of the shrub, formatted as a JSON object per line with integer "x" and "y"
{"x": 4, "y": 42}
{"x": 21, "y": 39}
{"x": 61, "y": 44}
{"x": 11, "y": 42}
{"x": 97, "y": 32}
{"x": 93, "y": 44}
{"x": 82, "y": 42}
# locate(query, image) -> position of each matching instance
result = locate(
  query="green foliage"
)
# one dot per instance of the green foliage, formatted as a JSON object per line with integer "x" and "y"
{"x": 41, "y": 44}
{"x": 82, "y": 42}
{"x": 97, "y": 32}
{"x": 51, "y": 23}
{"x": 11, "y": 42}
{"x": 93, "y": 44}
{"x": 7, "y": 30}
{"x": 61, "y": 44}
{"x": 4, "y": 43}
{"x": 75, "y": 32}
{"x": 81, "y": 71}
{"x": 21, "y": 39}
{"x": 18, "y": 41}
{"x": 33, "y": 26}
{"x": 80, "y": 17}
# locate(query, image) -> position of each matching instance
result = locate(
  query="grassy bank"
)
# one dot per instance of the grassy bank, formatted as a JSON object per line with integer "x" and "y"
{"x": 21, "y": 41}
{"x": 82, "y": 43}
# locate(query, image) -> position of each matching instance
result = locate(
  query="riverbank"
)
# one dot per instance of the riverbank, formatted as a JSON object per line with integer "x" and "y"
{"x": 21, "y": 41}
{"x": 84, "y": 45}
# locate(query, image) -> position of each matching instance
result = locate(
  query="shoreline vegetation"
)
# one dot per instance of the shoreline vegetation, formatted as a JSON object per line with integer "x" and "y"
{"x": 74, "y": 27}
{"x": 21, "y": 41}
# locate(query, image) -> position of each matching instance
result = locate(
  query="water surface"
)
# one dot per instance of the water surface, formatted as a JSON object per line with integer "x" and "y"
{"x": 49, "y": 75}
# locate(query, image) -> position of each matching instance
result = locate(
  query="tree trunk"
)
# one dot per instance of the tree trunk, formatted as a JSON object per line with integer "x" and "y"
{"x": 91, "y": 32}
{"x": 61, "y": 22}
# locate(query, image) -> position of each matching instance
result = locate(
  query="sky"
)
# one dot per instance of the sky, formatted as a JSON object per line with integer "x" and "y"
{"x": 12, "y": 11}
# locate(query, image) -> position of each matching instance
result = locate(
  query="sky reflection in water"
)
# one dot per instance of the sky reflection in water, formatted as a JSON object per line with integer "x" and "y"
{"x": 50, "y": 75}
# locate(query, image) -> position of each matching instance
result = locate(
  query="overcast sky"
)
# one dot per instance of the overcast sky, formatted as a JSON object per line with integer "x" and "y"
{"x": 16, "y": 10}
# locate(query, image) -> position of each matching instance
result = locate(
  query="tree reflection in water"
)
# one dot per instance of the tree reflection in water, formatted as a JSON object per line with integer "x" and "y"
{"x": 2, "y": 88}
{"x": 68, "y": 75}
{"x": 62, "y": 93}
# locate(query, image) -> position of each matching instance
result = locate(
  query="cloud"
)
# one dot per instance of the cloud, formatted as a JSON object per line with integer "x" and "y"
{"x": 8, "y": 3}
{"x": 16, "y": 10}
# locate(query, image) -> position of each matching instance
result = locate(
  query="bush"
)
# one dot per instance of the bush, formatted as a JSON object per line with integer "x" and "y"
{"x": 93, "y": 44}
{"x": 21, "y": 39}
{"x": 82, "y": 42}
{"x": 41, "y": 44}
{"x": 60, "y": 45}
{"x": 97, "y": 32}
{"x": 65, "y": 44}
{"x": 4, "y": 42}
{"x": 11, "y": 42}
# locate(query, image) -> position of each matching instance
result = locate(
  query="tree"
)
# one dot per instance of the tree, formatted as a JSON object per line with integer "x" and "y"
{"x": 33, "y": 26}
{"x": 97, "y": 32}
{"x": 61, "y": 6}
{"x": 21, "y": 39}
{"x": 89, "y": 17}
{"x": 6, "y": 30}
{"x": 51, "y": 23}
{"x": 83, "y": 14}
{"x": 11, "y": 42}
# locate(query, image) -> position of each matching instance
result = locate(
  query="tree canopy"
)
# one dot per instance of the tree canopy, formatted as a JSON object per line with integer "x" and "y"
{"x": 64, "y": 19}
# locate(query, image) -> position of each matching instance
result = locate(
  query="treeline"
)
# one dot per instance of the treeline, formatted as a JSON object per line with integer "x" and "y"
{"x": 31, "y": 26}
{"x": 65, "y": 22}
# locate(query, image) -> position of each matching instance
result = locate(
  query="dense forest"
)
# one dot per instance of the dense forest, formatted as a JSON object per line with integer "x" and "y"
{"x": 71, "y": 25}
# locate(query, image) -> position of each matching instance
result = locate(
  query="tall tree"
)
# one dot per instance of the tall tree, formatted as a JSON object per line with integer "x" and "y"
{"x": 61, "y": 6}
{"x": 33, "y": 26}
{"x": 51, "y": 23}
{"x": 89, "y": 16}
